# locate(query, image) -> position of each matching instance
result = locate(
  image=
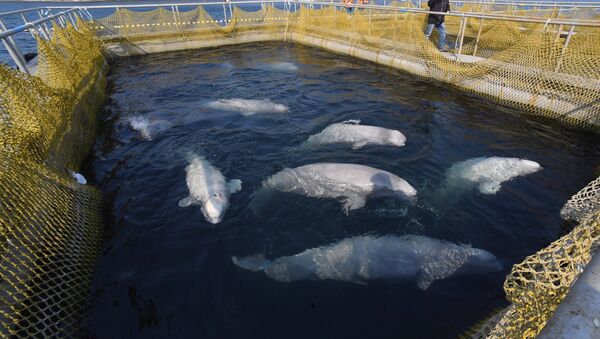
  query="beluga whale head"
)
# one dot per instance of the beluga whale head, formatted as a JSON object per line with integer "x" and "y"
{"x": 396, "y": 138}
{"x": 479, "y": 261}
{"x": 215, "y": 206}
{"x": 208, "y": 188}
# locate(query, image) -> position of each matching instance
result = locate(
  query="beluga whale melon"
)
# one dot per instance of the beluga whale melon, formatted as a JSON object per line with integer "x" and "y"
{"x": 208, "y": 188}
{"x": 148, "y": 129}
{"x": 368, "y": 258}
{"x": 351, "y": 183}
{"x": 247, "y": 107}
{"x": 352, "y": 133}
{"x": 487, "y": 173}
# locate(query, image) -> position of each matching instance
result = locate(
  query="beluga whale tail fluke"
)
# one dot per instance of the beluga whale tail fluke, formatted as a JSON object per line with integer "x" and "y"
{"x": 369, "y": 258}
{"x": 352, "y": 133}
{"x": 352, "y": 184}
{"x": 208, "y": 188}
{"x": 486, "y": 173}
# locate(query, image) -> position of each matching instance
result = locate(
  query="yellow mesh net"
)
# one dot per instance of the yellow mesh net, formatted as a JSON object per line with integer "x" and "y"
{"x": 50, "y": 226}
{"x": 535, "y": 67}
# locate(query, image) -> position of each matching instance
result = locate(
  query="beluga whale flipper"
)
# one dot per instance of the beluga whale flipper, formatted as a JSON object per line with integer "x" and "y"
{"x": 487, "y": 173}
{"x": 351, "y": 183}
{"x": 208, "y": 188}
{"x": 352, "y": 133}
{"x": 368, "y": 258}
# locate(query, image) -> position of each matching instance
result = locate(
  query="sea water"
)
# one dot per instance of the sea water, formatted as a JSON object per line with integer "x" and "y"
{"x": 166, "y": 272}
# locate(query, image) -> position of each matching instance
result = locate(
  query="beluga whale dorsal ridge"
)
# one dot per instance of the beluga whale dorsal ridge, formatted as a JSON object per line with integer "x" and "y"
{"x": 366, "y": 258}
{"x": 352, "y": 183}
{"x": 208, "y": 188}
{"x": 248, "y": 107}
{"x": 352, "y": 133}
{"x": 488, "y": 173}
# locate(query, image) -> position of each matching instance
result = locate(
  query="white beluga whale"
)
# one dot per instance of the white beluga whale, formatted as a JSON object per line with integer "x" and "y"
{"x": 351, "y": 183}
{"x": 148, "y": 129}
{"x": 248, "y": 107}
{"x": 352, "y": 133}
{"x": 368, "y": 258}
{"x": 280, "y": 66}
{"x": 487, "y": 173}
{"x": 208, "y": 188}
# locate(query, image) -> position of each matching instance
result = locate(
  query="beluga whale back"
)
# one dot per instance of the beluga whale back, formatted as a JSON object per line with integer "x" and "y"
{"x": 367, "y": 258}
{"x": 352, "y": 133}
{"x": 487, "y": 174}
{"x": 351, "y": 183}
{"x": 247, "y": 107}
{"x": 208, "y": 188}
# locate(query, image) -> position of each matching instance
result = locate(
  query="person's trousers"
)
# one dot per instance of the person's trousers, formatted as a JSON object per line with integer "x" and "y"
{"x": 441, "y": 28}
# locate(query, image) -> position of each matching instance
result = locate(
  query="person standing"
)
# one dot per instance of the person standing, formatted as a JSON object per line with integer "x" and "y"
{"x": 437, "y": 21}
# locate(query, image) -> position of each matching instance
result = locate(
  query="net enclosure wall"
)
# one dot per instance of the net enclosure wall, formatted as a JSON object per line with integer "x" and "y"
{"x": 51, "y": 227}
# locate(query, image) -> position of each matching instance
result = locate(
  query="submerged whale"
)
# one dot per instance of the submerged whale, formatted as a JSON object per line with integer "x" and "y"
{"x": 350, "y": 132}
{"x": 366, "y": 258}
{"x": 247, "y": 107}
{"x": 208, "y": 188}
{"x": 148, "y": 129}
{"x": 487, "y": 174}
{"x": 280, "y": 66}
{"x": 350, "y": 182}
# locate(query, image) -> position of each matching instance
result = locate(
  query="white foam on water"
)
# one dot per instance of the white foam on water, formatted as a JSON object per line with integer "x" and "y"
{"x": 248, "y": 107}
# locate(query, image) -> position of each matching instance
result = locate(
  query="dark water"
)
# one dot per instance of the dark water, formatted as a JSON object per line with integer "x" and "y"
{"x": 166, "y": 272}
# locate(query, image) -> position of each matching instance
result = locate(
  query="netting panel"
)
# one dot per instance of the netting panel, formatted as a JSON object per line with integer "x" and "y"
{"x": 50, "y": 226}
{"x": 527, "y": 65}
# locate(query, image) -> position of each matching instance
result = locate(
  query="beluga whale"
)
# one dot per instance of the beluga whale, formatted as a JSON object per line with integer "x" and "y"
{"x": 247, "y": 107}
{"x": 352, "y": 133}
{"x": 370, "y": 258}
{"x": 351, "y": 183}
{"x": 208, "y": 188}
{"x": 148, "y": 129}
{"x": 487, "y": 173}
{"x": 279, "y": 66}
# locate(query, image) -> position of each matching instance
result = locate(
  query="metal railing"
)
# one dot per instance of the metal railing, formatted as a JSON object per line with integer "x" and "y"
{"x": 69, "y": 13}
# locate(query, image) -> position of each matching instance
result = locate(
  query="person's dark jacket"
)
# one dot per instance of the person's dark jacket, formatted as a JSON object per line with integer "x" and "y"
{"x": 437, "y": 6}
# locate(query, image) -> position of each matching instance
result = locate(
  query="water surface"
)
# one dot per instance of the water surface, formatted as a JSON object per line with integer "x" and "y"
{"x": 166, "y": 272}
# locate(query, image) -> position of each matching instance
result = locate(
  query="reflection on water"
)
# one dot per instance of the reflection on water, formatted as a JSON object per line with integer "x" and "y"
{"x": 166, "y": 271}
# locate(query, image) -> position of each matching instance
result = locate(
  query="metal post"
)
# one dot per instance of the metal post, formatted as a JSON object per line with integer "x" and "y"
{"x": 478, "y": 36}
{"x": 73, "y": 22}
{"x": 14, "y": 52}
{"x": 26, "y": 22}
{"x": 225, "y": 14}
{"x": 462, "y": 35}
{"x": 334, "y": 16}
{"x": 558, "y": 31}
{"x": 564, "y": 49}
{"x": 175, "y": 17}
{"x": 460, "y": 28}
{"x": 45, "y": 31}
{"x": 370, "y": 21}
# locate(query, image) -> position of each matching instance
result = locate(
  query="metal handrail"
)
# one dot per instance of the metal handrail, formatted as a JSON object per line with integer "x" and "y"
{"x": 6, "y": 34}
